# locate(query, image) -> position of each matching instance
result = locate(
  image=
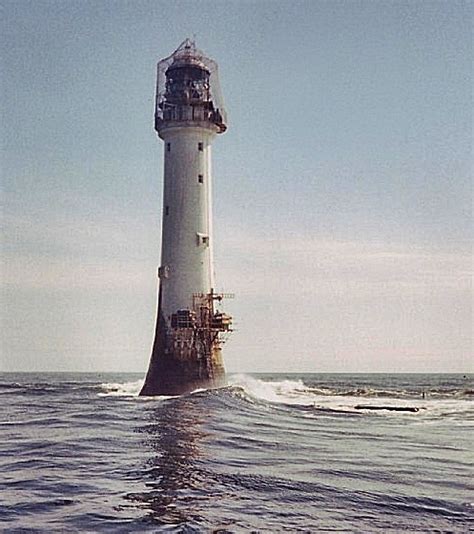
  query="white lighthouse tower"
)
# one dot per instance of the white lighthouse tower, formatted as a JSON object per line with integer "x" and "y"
{"x": 189, "y": 113}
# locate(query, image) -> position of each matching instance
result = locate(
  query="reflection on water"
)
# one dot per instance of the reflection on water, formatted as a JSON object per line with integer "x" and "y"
{"x": 172, "y": 474}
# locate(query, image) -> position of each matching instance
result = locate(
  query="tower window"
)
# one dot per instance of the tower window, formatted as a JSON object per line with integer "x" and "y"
{"x": 200, "y": 146}
{"x": 167, "y": 210}
{"x": 202, "y": 239}
{"x": 168, "y": 147}
{"x": 200, "y": 178}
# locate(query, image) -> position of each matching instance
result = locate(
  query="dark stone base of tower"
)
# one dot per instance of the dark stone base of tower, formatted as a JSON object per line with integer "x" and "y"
{"x": 183, "y": 360}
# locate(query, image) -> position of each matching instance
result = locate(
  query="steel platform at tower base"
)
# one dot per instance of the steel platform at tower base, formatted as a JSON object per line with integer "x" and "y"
{"x": 177, "y": 372}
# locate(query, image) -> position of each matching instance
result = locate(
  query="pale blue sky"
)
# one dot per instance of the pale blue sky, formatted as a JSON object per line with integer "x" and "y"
{"x": 343, "y": 202}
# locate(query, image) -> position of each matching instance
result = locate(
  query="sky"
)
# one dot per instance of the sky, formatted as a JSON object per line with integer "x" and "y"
{"x": 342, "y": 188}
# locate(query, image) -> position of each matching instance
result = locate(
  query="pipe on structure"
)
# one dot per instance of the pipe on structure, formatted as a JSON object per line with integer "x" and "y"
{"x": 190, "y": 330}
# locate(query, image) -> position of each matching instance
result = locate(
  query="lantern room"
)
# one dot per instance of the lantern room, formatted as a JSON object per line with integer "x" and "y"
{"x": 188, "y": 91}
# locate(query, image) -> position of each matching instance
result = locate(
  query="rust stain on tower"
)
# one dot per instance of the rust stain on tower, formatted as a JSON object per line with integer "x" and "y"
{"x": 190, "y": 328}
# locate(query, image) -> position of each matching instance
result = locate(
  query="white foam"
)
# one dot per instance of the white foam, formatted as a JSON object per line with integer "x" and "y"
{"x": 284, "y": 391}
{"x": 130, "y": 389}
{"x": 121, "y": 389}
{"x": 295, "y": 392}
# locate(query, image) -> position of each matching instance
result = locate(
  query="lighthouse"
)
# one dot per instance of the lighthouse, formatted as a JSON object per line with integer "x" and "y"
{"x": 190, "y": 326}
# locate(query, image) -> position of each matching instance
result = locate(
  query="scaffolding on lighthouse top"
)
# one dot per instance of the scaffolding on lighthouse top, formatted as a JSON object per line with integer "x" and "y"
{"x": 188, "y": 90}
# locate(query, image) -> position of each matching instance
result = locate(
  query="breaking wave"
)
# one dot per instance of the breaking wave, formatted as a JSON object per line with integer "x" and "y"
{"x": 314, "y": 397}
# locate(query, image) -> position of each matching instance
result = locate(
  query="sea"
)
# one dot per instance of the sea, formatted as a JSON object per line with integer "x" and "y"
{"x": 267, "y": 453}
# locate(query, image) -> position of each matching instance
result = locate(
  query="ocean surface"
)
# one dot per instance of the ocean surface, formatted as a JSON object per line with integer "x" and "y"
{"x": 268, "y": 453}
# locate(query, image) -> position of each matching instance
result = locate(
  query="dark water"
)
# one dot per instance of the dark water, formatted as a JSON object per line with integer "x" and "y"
{"x": 82, "y": 453}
